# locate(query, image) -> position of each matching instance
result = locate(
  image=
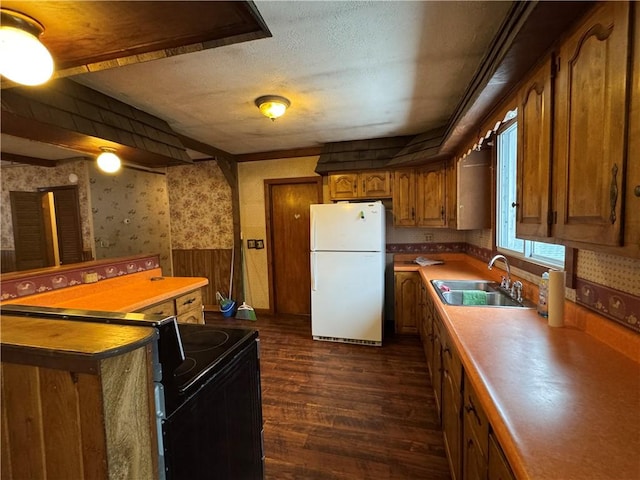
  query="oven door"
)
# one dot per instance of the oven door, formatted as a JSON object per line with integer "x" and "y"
{"x": 217, "y": 431}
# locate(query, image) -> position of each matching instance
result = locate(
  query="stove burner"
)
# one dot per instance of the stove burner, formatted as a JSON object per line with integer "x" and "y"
{"x": 185, "y": 367}
{"x": 196, "y": 341}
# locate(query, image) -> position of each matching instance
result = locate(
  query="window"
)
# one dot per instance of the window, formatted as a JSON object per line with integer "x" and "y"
{"x": 506, "y": 241}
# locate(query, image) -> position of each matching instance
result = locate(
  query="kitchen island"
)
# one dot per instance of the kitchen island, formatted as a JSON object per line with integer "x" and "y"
{"x": 560, "y": 403}
{"x": 76, "y": 400}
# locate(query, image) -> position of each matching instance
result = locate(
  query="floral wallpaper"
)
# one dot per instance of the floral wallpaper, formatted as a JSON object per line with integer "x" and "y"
{"x": 28, "y": 178}
{"x": 131, "y": 214}
{"x": 201, "y": 209}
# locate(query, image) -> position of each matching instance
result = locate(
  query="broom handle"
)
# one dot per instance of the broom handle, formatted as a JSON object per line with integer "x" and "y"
{"x": 233, "y": 251}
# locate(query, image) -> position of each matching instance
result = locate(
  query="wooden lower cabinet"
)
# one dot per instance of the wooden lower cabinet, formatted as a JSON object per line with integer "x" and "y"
{"x": 407, "y": 302}
{"x": 498, "y": 467}
{"x": 452, "y": 406}
{"x": 188, "y": 307}
{"x": 472, "y": 450}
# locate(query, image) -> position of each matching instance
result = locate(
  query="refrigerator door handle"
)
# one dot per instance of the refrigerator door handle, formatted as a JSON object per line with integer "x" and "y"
{"x": 314, "y": 260}
{"x": 313, "y": 231}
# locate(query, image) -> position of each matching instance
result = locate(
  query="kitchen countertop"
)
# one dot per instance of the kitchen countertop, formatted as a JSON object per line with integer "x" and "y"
{"x": 69, "y": 338}
{"x": 562, "y": 404}
{"x": 122, "y": 294}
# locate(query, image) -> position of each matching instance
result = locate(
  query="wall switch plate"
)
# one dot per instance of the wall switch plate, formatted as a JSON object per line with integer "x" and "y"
{"x": 259, "y": 244}
{"x": 251, "y": 244}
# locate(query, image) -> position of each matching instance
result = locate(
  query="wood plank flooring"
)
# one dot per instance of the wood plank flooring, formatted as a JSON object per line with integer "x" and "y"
{"x": 341, "y": 411}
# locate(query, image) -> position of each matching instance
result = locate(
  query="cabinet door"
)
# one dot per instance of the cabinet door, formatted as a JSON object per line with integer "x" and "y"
{"x": 451, "y": 410}
{"x": 451, "y": 179}
{"x": 407, "y": 295}
{"x": 404, "y": 198}
{"x": 430, "y": 199}
{"x": 374, "y": 185}
{"x": 498, "y": 466}
{"x": 436, "y": 361}
{"x": 590, "y": 127}
{"x": 632, "y": 193}
{"x": 533, "y": 203}
{"x": 343, "y": 186}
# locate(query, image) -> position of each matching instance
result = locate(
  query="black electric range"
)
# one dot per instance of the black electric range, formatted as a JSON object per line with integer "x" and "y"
{"x": 207, "y": 349}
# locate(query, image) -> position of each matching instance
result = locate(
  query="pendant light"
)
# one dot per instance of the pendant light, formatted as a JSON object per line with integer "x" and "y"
{"x": 272, "y": 106}
{"x": 23, "y": 59}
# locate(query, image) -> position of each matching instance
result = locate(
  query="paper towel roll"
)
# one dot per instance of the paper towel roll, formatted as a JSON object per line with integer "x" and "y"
{"x": 556, "y": 298}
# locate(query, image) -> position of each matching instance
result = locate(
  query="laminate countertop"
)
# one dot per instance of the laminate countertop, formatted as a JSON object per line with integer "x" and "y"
{"x": 562, "y": 404}
{"x": 121, "y": 294}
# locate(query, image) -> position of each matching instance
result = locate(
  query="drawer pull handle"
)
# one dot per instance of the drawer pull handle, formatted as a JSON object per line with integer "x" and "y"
{"x": 470, "y": 408}
{"x": 191, "y": 300}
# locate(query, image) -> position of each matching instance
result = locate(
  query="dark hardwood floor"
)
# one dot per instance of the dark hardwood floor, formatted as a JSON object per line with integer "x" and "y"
{"x": 341, "y": 411}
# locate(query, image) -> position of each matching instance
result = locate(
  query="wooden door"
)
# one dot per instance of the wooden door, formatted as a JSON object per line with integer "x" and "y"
{"x": 533, "y": 203}
{"x": 68, "y": 223}
{"x": 431, "y": 197}
{"x": 287, "y": 204}
{"x": 590, "y": 128}
{"x": 29, "y": 233}
{"x": 404, "y": 198}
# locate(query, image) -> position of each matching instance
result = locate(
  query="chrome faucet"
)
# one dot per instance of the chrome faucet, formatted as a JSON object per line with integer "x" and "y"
{"x": 506, "y": 282}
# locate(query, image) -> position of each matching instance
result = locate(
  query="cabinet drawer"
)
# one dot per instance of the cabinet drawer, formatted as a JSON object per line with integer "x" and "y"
{"x": 476, "y": 419}
{"x": 189, "y": 301}
{"x": 165, "y": 309}
{"x": 192, "y": 316}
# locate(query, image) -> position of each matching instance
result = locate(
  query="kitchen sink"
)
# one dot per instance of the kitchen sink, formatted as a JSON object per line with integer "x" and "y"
{"x": 477, "y": 293}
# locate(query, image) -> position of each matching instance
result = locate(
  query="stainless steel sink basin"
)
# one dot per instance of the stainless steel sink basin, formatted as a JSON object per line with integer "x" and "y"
{"x": 477, "y": 293}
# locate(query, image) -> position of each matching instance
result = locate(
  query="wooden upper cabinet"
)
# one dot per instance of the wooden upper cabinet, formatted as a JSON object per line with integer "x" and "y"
{"x": 353, "y": 185}
{"x": 533, "y": 205}
{"x": 473, "y": 192}
{"x": 632, "y": 193}
{"x": 404, "y": 198}
{"x": 451, "y": 180}
{"x": 590, "y": 132}
{"x": 430, "y": 209}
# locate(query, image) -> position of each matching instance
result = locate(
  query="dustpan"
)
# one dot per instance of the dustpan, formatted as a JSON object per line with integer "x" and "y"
{"x": 245, "y": 312}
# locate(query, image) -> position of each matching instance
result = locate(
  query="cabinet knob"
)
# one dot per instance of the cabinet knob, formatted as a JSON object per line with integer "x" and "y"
{"x": 514, "y": 204}
{"x": 636, "y": 191}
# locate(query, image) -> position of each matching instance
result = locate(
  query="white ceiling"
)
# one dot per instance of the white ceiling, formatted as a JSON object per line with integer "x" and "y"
{"x": 352, "y": 70}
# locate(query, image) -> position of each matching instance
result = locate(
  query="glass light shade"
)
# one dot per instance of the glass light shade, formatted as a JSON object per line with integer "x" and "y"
{"x": 23, "y": 59}
{"x": 109, "y": 162}
{"x": 272, "y": 106}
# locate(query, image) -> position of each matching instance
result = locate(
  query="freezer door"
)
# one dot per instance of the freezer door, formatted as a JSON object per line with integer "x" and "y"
{"x": 348, "y": 227}
{"x": 347, "y": 296}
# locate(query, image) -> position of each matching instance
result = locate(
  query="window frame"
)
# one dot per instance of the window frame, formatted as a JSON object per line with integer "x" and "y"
{"x": 524, "y": 264}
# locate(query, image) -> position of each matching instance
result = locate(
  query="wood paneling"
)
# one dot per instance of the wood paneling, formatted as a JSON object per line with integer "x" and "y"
{"x": 213, "y": 264}
{"x": 342, "y": 411}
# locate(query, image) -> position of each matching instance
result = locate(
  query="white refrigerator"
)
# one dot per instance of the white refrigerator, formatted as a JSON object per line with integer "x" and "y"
{"x": 347, "y": 272}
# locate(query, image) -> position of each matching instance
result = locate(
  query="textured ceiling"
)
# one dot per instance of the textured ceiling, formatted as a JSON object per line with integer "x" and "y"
{"x": 352, "y": 70}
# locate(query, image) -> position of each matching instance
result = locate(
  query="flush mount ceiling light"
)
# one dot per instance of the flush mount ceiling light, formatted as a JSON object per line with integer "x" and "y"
{"x": 272, "y": 106}
{"x": 23, "y": 59}
{"x": 108, "y": 161}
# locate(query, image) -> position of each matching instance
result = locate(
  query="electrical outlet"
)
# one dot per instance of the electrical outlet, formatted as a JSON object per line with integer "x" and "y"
{"x": 259, "y": 244}
{"x": 251, "y": 243}
{"x": 428, "y": 237}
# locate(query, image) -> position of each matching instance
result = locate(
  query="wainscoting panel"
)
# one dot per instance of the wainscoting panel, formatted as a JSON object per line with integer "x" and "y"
{"x": 214, "y": 264}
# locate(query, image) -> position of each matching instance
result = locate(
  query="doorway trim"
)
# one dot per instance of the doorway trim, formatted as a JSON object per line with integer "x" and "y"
{"x": 268, "y": 185}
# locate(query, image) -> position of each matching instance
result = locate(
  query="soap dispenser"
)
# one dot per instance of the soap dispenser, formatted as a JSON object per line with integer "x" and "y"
{"x": 543, "y": 295}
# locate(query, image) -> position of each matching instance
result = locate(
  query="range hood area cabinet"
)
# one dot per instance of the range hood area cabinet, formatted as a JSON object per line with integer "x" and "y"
{"x": 453, "y": 194}
{"x": 584, "y": 99}
{"x": 360, "y": 185}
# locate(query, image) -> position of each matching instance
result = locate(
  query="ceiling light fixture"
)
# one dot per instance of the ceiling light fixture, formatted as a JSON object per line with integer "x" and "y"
{"x": 108, "y": 161}
{"x": 23, "y": 59}
{"x": 272, "y": 106}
